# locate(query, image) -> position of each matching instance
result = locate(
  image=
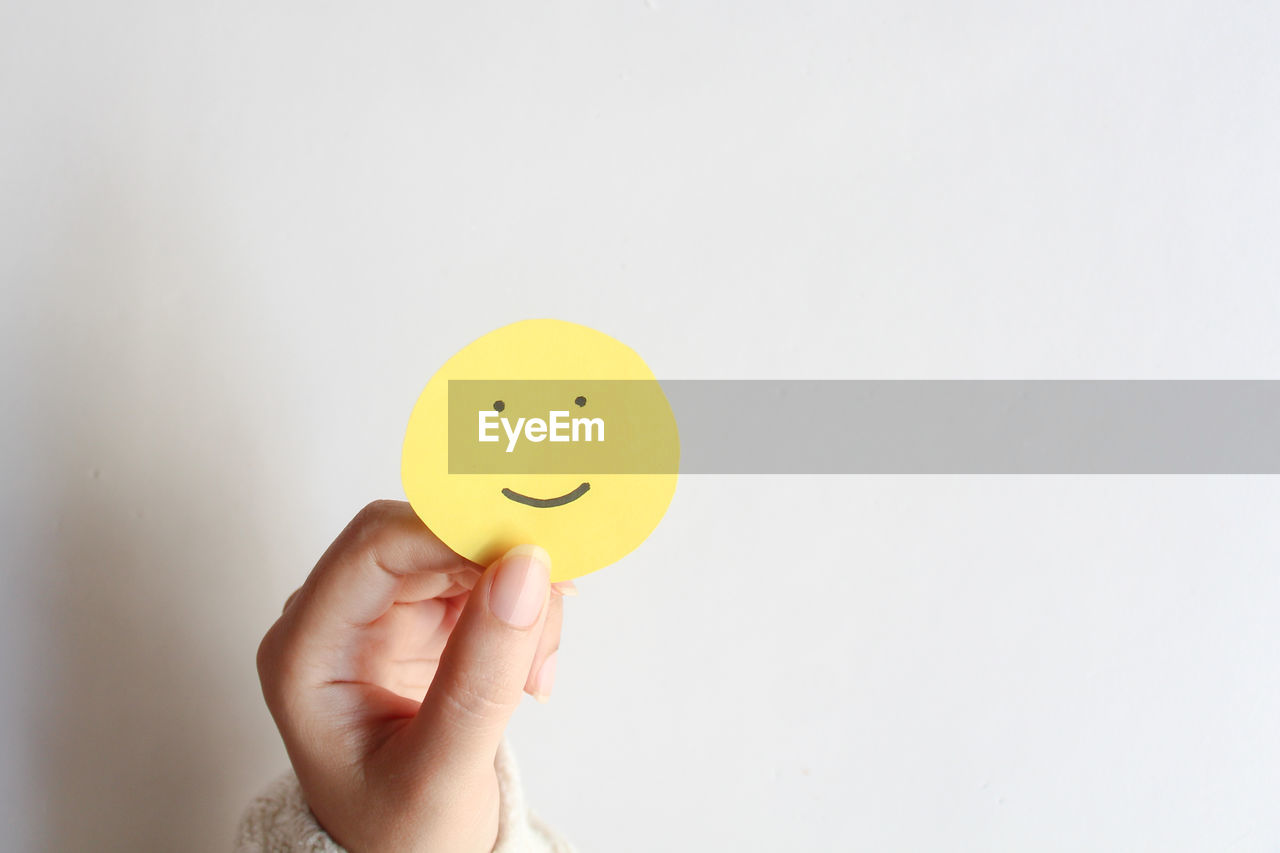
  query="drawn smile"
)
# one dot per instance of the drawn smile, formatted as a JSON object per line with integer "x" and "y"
{"x": 569, "y": 497}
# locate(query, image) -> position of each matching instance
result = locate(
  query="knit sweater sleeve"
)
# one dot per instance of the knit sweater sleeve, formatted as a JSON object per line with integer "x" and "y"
{"x": 279, "y": 821}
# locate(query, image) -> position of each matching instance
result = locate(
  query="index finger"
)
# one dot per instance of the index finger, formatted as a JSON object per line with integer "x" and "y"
{"x": 384, "y": 555}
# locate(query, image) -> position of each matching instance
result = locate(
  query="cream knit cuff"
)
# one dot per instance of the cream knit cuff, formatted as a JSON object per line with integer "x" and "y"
{"x": 279, "y": 821}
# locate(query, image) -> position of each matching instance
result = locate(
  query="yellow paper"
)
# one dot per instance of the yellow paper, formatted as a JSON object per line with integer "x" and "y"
{"x": 585, "y": 519}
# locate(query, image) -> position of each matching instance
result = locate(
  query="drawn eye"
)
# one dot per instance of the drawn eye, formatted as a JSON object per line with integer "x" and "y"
{"x": 580, "y": 401}
{"x": 498, "y": 405}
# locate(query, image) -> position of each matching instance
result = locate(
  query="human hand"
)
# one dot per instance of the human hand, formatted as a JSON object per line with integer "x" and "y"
{"x": 390, "y": 615}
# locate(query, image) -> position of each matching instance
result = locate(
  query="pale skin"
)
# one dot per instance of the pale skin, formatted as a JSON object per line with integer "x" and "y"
{"x": 392, "y": 674}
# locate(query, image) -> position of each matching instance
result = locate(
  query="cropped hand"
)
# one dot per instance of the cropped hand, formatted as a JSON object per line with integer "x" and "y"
{"x": 392, "y": 674}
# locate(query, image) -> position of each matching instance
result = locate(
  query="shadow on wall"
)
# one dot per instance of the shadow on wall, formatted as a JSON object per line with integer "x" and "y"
{"x": 147, "y": 654}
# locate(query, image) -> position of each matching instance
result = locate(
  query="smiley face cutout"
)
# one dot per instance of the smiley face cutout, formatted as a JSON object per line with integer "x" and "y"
{"x": 542, "y": 432}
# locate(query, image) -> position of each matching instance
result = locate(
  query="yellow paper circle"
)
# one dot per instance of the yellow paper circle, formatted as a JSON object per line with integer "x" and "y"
{"x": 586, "y": 521}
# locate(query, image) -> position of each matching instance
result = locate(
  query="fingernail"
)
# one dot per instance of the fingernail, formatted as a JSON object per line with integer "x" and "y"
{"x": 545, "y": 679}
{"x": 565, "y": 588}
{"x": 519, "y": 587}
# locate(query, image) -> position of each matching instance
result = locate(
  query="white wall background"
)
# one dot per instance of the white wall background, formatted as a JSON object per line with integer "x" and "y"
{"x": 237, "y": 238}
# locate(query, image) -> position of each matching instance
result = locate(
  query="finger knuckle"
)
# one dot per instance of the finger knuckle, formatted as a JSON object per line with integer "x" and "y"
{"x": 373, "y": 514}
{"x": 267, "y": 661}
{"x": 277, "y": 666}
{"x": 372, "y": 525}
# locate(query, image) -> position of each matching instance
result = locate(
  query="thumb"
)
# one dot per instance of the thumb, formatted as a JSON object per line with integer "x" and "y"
{"x": 485, "y": 665}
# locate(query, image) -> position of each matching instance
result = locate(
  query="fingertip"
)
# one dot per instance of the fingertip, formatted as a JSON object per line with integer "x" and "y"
{"x": 535, "y": 553}
{"x": 565, "y": 588}
{"x": 521, "y": 586}
{"x": 545, "y": 679}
